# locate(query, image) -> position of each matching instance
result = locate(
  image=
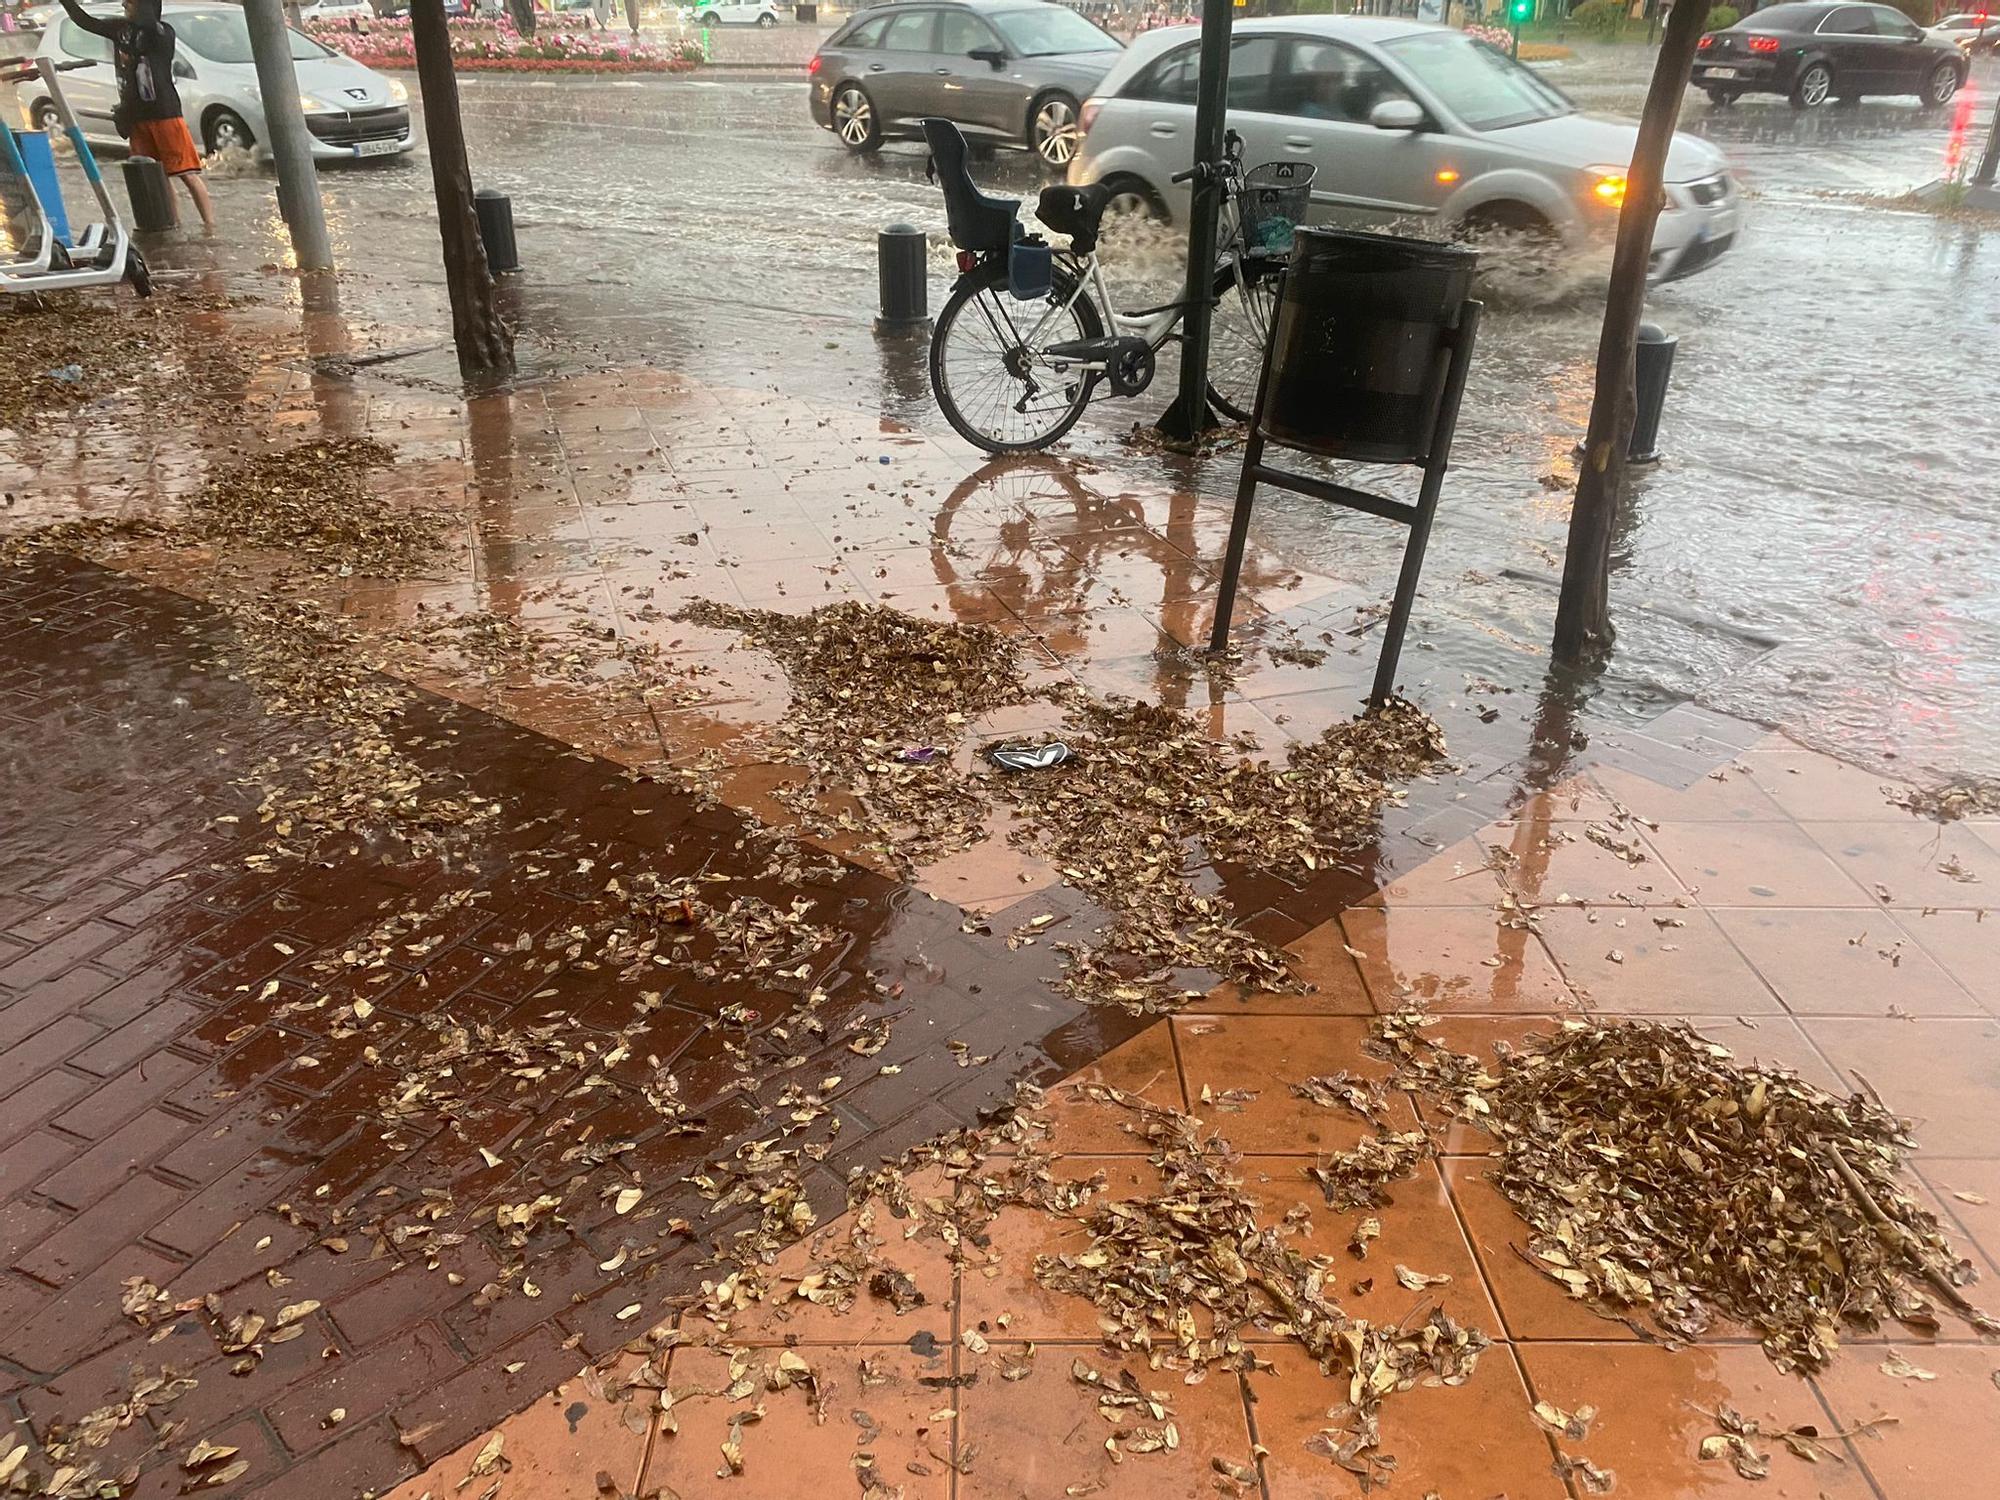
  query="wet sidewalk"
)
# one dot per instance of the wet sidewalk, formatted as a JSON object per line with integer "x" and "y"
{"x": 439, "y": 956}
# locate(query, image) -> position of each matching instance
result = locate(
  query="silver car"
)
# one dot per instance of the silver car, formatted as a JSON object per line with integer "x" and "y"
{"x": 1006, "y": 72}
{"x": 1404, "y": 121}
{"x": 350, "y": 110}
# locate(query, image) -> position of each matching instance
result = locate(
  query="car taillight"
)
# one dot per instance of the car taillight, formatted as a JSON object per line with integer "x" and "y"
{"x": 1087, "y": 116}
{"x": 813, "y": 66}
{"x": 1763, "y": 44}
{"x": 1704, "y": 44}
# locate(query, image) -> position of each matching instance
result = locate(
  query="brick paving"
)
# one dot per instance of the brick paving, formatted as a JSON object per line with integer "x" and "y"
{"x": 172, "y": 1104}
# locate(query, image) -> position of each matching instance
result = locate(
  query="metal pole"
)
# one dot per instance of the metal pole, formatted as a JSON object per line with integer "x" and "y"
{"x": 1989, "y": 162}
{"x": 291, "y": 143}
{"x": 1189, "y": 417}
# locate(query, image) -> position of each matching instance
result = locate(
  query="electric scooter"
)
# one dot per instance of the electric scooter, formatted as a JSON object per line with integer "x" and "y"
{"x": 103, "y": 254}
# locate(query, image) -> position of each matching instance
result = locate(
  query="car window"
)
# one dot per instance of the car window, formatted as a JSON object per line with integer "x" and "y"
{"x": 910, "y": 32}
{"x": 224, "y": 36}
{"x": 1482, "y": 85}
{"x": 960, "y": 31}
{"x": 1893, "y": 23}
{"x": 1328, "y": 81}
{"x": 868, "y": 33}
{"x": 80, "y": 43}
{"x": 1045, "y": 30}
{"x": 1783, "y": 18}
{"x": 1168, "y": 79}
{"x": 1849, "y": 20}
{"x": 1253, "y": 67}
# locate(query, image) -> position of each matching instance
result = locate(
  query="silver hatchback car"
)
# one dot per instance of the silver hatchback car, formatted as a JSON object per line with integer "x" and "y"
{"x": 1403, "y": 121}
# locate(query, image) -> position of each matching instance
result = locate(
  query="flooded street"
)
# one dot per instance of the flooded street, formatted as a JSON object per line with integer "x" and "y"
{"x": 1815, "y": 552}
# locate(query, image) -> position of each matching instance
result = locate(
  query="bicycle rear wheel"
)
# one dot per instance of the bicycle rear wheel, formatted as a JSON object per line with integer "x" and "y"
{"x": 993, "y": 394}
{"x": 1240, "y": 331}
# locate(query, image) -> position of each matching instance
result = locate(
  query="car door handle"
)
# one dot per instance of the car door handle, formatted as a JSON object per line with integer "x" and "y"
{"x": 1161, "y": 127}
{"x": 878, "y": 67}
{"x": 942, "y": 72}
{"x": 1298, "y": 142}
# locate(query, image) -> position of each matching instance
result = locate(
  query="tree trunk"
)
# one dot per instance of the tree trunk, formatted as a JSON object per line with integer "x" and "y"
{"x": 1583, "y": 617}
{"x": 485, "y": 343}
{"x": 1989, "y": 160}
{"x": 522, "y": 12}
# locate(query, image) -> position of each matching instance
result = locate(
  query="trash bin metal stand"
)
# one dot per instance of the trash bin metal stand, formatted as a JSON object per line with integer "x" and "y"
{"x": 1457, "y": 352}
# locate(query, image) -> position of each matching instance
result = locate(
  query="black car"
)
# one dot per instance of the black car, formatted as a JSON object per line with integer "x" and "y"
{"x": 1006, "y": 72}
{"x": 1813, "y": 53}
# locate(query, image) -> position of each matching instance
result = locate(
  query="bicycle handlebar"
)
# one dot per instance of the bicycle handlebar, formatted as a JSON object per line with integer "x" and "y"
{"x": 1232, "y": 161}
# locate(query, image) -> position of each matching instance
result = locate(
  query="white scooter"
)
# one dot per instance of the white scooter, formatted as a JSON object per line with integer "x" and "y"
{"x": 103, "y": 254}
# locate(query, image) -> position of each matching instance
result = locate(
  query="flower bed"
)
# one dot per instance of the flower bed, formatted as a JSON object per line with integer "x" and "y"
{"x": 494, "y": 46}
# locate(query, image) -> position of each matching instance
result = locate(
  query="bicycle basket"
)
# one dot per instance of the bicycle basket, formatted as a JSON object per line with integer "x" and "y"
{"x": 1273, "y": 203}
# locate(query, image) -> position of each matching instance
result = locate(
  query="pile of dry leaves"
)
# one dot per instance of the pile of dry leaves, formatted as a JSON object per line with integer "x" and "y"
{"x": 1149, "y": 798}
{"x": 66, "y": 351}
{"x": 1661, "y": 1177}
{"x": 880, "y": 700}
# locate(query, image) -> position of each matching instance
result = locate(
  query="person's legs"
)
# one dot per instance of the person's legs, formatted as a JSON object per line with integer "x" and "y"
{"x": 204, "y": 205}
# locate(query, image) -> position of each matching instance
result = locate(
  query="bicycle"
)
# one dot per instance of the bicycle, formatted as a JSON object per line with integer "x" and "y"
{"x": 1010, "y": 389}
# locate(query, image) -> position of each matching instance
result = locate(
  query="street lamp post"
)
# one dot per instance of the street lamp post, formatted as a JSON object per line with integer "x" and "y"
{"x": 1189, "y": 417}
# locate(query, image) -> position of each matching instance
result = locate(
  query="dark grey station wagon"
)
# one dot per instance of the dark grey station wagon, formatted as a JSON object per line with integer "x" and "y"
{"x": 1006, "y": 72}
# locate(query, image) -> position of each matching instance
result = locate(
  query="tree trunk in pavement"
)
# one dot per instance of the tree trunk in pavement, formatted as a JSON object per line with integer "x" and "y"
{"x": 485, "y": 343}
{"x": 1583, "y": 615}
{"x": 522, "y": 12}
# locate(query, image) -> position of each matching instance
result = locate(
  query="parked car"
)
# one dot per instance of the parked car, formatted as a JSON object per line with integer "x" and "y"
{"x": 1006, "y": 72}
{"x": 732, "y": 13}
{"x": 352, "y": 111}
{"x": 336, "y": 10}
{"x": 1970, "y": 31}
{"x": 1403, "y": 121}
{"x": 1813, "y": 53}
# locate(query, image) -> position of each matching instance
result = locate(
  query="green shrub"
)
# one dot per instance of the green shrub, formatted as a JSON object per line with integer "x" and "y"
{"x": 1923, "y": 12}
{"x": 1720, "y": 16}
{"x": 1599, "y": 17}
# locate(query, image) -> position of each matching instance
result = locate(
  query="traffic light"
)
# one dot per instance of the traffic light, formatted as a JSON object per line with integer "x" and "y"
{"x": 1520, "y": 12}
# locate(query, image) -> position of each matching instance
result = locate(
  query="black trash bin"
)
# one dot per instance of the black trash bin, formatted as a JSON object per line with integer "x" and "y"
{"x": 802, "y": 12}
{"x": 150, "y": 194}
{"x": 1356, "y": 366}
{"x": 495, "y": 212}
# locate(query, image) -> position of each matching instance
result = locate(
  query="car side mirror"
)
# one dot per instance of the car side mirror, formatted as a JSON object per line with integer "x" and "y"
{"x": 993, "y": 57}
{"x": 1397, "y": 114}
{"x": 183, "y": 68}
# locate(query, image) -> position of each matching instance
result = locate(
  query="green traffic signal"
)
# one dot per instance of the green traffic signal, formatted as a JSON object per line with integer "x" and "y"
{"x": 1521, "y": 10}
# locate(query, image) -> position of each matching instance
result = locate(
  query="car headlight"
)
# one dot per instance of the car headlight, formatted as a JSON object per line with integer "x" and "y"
{"x": 309, "y": 105}
{"x": 398, "y": 93}
{"x": 1607, "y": 186}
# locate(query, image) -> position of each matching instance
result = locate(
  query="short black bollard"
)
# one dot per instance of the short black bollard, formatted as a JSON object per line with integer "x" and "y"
{"x": 1655, "y": 364}
{"x": 496, "y": 229}
{"x": 150, "y": 193}
{"x": 900, "y": 251}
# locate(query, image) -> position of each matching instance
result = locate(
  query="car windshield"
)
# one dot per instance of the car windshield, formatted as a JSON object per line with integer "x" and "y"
{"x": 1786, "y": 17}
{"x": 223, "y": 36}
{"x": 1049, "y": 29}
{"x": 1481, "y": 85}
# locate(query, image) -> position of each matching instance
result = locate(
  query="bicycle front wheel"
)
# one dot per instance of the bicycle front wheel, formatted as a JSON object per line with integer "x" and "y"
{"x": 1239, "y": 332}
{"x": 989, "y": 384}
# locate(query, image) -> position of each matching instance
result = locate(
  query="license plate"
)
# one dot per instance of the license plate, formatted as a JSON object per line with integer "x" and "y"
{"x": 377, "y": 148}
{"x": 1721, "y": 73}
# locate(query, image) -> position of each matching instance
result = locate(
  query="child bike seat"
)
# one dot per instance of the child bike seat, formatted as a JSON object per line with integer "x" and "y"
{"x": 978, "y": 222}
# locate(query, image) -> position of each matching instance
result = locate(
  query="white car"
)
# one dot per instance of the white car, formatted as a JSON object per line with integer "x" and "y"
{"x": 337, "y": 10}
{"x": 1973, "y": 31}
{"x": 732, "y": 13}
{"x": 1403, "y": 121}
{"x": 351, "y": 111}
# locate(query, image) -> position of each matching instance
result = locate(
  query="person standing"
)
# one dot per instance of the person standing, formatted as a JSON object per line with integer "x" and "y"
{"x": 149, "y": 113}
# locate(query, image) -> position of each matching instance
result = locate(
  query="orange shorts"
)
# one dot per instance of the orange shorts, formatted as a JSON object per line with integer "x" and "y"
{"x": 168, "y": 143}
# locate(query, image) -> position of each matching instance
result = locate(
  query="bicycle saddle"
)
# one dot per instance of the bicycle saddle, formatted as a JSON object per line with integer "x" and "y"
{"x": 978, "y": 222}
{"x": 1075, "y": 211}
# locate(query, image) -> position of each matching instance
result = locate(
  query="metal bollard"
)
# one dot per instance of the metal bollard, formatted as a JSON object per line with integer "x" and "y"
{"x": 150, "y": 193}
{"x": 1655, "y": 363}
{"x": 899, "y": 256}
{"x": 496, "y": 229}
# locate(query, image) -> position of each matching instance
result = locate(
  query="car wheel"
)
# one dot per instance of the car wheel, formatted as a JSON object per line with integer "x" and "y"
{"x": 1812, "y": 87}
{"x": 767, "y": 20}
{"x": 1132, "y": 199}
{"x": 45, "y": 116}
{"x": 1052, "y": 131}
{"x": 854, "y": 120}
{"x": 1722, "y": 98}
{"x": 706, "y": 18}
{"x": 225, "y": 131}
{"x": 1941, "y": 85}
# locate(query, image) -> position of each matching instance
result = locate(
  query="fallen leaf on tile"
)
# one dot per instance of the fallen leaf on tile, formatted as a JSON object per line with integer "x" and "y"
{"x": 1574, "y": 1425}
{"x": 1899, "y": 1367}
